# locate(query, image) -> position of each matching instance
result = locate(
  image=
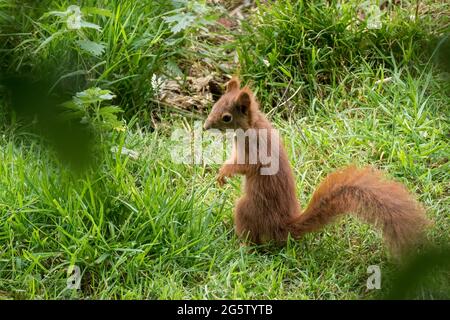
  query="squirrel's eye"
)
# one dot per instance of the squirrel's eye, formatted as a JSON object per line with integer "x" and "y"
{"x": 226, "y": 118}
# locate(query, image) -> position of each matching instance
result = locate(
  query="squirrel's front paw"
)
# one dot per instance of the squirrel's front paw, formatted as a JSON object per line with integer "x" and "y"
{"x": 221, "y": 180}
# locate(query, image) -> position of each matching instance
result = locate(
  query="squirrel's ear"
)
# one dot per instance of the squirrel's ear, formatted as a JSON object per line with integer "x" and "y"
{"x": 244, "y": 101}
{"x": 233, "y": 84}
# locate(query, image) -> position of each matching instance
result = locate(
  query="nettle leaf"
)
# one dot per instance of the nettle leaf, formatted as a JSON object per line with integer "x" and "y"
{"x": 179, "y": 3}
{"x": 94, "y": 48}
{"x": 85, "y": 24}
{"x": 98, "y": 11}
{"x": 72, "y": 111}
{"x": 71, "y": 10}
{"x": 180, "y": 21}
{"x": 74, "y": 18}
{"x": 199, "y": 8}
{"x": 93, "y": 95}
{"x": 71, "y": 105}
{"x": 49, "y": 39}
{"x": 110, "y": 110}
{"x": 107, "y": 95}
{"x": 74, "y": 22}
{"x": 87, "y": 106}
{"x": 110, "y": 121}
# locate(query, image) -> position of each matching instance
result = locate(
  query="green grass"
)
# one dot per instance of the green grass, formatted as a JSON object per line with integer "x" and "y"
{"x": 149, "y": 228}
{"x": 325, "y": 50}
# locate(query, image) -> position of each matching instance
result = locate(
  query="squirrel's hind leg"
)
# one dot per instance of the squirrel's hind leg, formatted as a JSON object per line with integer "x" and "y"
{"x": 244, "y": 218}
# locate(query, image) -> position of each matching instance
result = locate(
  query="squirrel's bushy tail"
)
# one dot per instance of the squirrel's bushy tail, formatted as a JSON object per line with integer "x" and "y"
{"x": 366, "y": 193}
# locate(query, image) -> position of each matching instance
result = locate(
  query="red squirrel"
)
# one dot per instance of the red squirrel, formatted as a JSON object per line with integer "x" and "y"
{"x": 269, "y": 210}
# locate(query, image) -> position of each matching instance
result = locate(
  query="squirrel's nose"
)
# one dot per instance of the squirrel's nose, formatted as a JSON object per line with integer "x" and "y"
{"x": 207, "y": 125}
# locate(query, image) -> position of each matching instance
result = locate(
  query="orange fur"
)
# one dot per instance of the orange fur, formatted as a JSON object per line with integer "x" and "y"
{"x": 269, "y": 209}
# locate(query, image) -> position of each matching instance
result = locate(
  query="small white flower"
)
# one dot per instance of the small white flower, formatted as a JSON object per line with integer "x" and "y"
{"x": 74, "y": 17}
{"x": 158, "y": 84}
{"x": 266, "y": 62}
